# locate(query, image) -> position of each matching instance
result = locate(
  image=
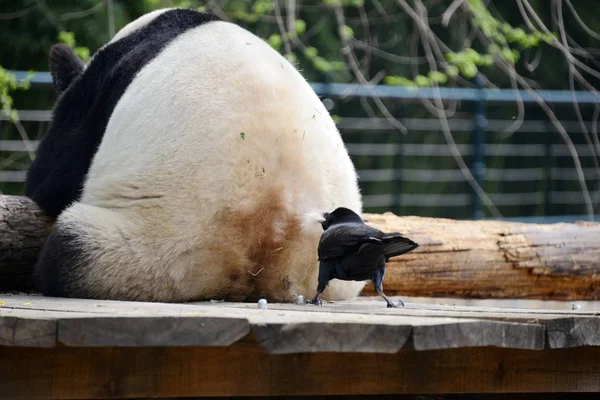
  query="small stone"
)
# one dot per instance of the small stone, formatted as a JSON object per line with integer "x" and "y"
{"x": 575, "y": 307}
{"x": 262, "y": 304}
{"x": 300, "y": 299}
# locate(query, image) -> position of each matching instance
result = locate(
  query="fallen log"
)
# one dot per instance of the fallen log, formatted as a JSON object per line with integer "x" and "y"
{"x": 494, "y": 259}
{"x": 23, "y": 230}
{"x": 468, "y": 259}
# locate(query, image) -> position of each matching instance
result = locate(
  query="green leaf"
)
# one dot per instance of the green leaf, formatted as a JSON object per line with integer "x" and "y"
{"x": 83, "y": 53}
{"x": 275, "y": 41}
{"x": 346, "y": 32}
{"x": 438, "y": 77}
{"x": 311, "y": 52}
{"x": 468, "y": 70}
{"x": 508, "y": 55}
{"x": 321, "y": 64}
{"x": 299, "y": 27}
{"x": 291, "y": 57}
{"x": 338, "y": 65}
{"x": 486, "y": 60}
{"x": 452, "y": 71}
{"x": 422, "y": 81}
{"x": 67, "y": 38}
{"x": 398, "y": 81}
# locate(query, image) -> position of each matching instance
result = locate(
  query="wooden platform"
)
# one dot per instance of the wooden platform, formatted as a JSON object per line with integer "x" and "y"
{"x": 68, "y": 349}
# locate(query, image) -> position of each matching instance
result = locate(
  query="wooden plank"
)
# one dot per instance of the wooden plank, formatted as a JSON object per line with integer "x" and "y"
{"x": 246, "y": 369}
{"x": 281, "y": 330}
{"x": 479, "y": 334}
{"x": 114, "y": 327}
{"x": 333, "y": 338}
{"x": 27, "y": 332}
{"x": 367, "y": 305}
{"x": 573, "y": 332}
{"x": 151, "y": 331}
{"x": 32, "y": 327}
{"x": 376, "y": 306}
{"x": 44, "y": 328}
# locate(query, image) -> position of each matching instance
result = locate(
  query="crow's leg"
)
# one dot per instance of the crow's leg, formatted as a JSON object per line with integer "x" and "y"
{"x": 378, "y": 284}
{"x": 324, "y": 278}
{"x": 317, "y": 299}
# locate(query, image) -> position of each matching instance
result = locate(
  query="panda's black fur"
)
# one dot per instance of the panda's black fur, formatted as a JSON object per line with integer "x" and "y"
{"x": 56, "y": 176}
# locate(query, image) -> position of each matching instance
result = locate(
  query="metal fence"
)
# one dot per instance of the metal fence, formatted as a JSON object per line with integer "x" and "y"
{"x": 416, "y": 173}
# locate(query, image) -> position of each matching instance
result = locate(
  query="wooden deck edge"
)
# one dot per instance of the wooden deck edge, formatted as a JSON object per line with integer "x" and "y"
{"x": 245, "y": 368}
{"x": 287, "y": 332}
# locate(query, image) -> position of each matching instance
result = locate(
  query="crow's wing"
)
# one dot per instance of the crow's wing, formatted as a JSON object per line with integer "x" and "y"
{"x": 345, "y": 239}
{"x": 390, "y": 245}
{"x": 396, "y": 244}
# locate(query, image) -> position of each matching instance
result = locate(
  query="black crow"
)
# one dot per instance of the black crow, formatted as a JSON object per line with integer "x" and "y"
{"x": 352, "y": 251}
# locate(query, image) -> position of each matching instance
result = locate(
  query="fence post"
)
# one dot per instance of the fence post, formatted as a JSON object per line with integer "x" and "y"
{"x": 480, "y": 123}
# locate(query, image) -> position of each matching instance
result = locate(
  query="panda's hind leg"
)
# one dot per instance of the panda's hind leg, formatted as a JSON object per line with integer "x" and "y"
{"x": 95, "y": 252}
{"x": 76, "y": 251}
{"x": 59, "y": 269}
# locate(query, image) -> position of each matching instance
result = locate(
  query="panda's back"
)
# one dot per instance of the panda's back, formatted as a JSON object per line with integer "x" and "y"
{"x": 217, "y": 111}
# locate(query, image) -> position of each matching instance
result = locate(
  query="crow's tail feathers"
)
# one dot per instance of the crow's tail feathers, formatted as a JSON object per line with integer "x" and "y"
{"x": 396, "y": 244}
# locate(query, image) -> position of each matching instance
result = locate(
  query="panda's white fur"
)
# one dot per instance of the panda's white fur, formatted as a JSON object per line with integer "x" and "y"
{"x": 211, "y": 179}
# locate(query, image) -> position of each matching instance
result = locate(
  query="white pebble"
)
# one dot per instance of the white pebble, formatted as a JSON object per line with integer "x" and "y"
{"x": 262, "y": 304}
{"x": 300, "y": 299}
{"x": 575, "y": 307}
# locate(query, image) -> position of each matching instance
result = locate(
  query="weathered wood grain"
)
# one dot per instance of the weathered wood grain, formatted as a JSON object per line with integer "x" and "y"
{"x": 27, "y": 332}
{"x": 246, "y": 369}
{"x": 23, "y": 231}
{"x": 573, "y": 332}
{"x": 337, "y": 338}
{"x": 468, "y": 259}
{"x": 493, "y": 259}
{"x": 355, "y": 326}
{"x": 479, "y": 333}
{"x": 113, "y": 323}
{"x": 151, "y": 331}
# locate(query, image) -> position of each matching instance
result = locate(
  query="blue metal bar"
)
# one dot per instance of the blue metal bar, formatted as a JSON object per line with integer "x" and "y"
{"x": 465, "y": 94}
{"x": 396, "y": 92}
{"x": 43, "y": 78}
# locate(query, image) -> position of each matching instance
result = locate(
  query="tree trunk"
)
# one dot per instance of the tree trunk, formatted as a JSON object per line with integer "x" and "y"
{"x": 468, "y": 259}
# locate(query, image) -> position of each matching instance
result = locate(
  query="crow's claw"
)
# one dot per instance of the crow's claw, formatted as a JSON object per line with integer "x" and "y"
{"x": 316, "y": 301}
{"x": 392, "y": 305}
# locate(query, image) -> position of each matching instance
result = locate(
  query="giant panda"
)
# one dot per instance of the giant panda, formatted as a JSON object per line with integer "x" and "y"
{"x": 187, "y": 161}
